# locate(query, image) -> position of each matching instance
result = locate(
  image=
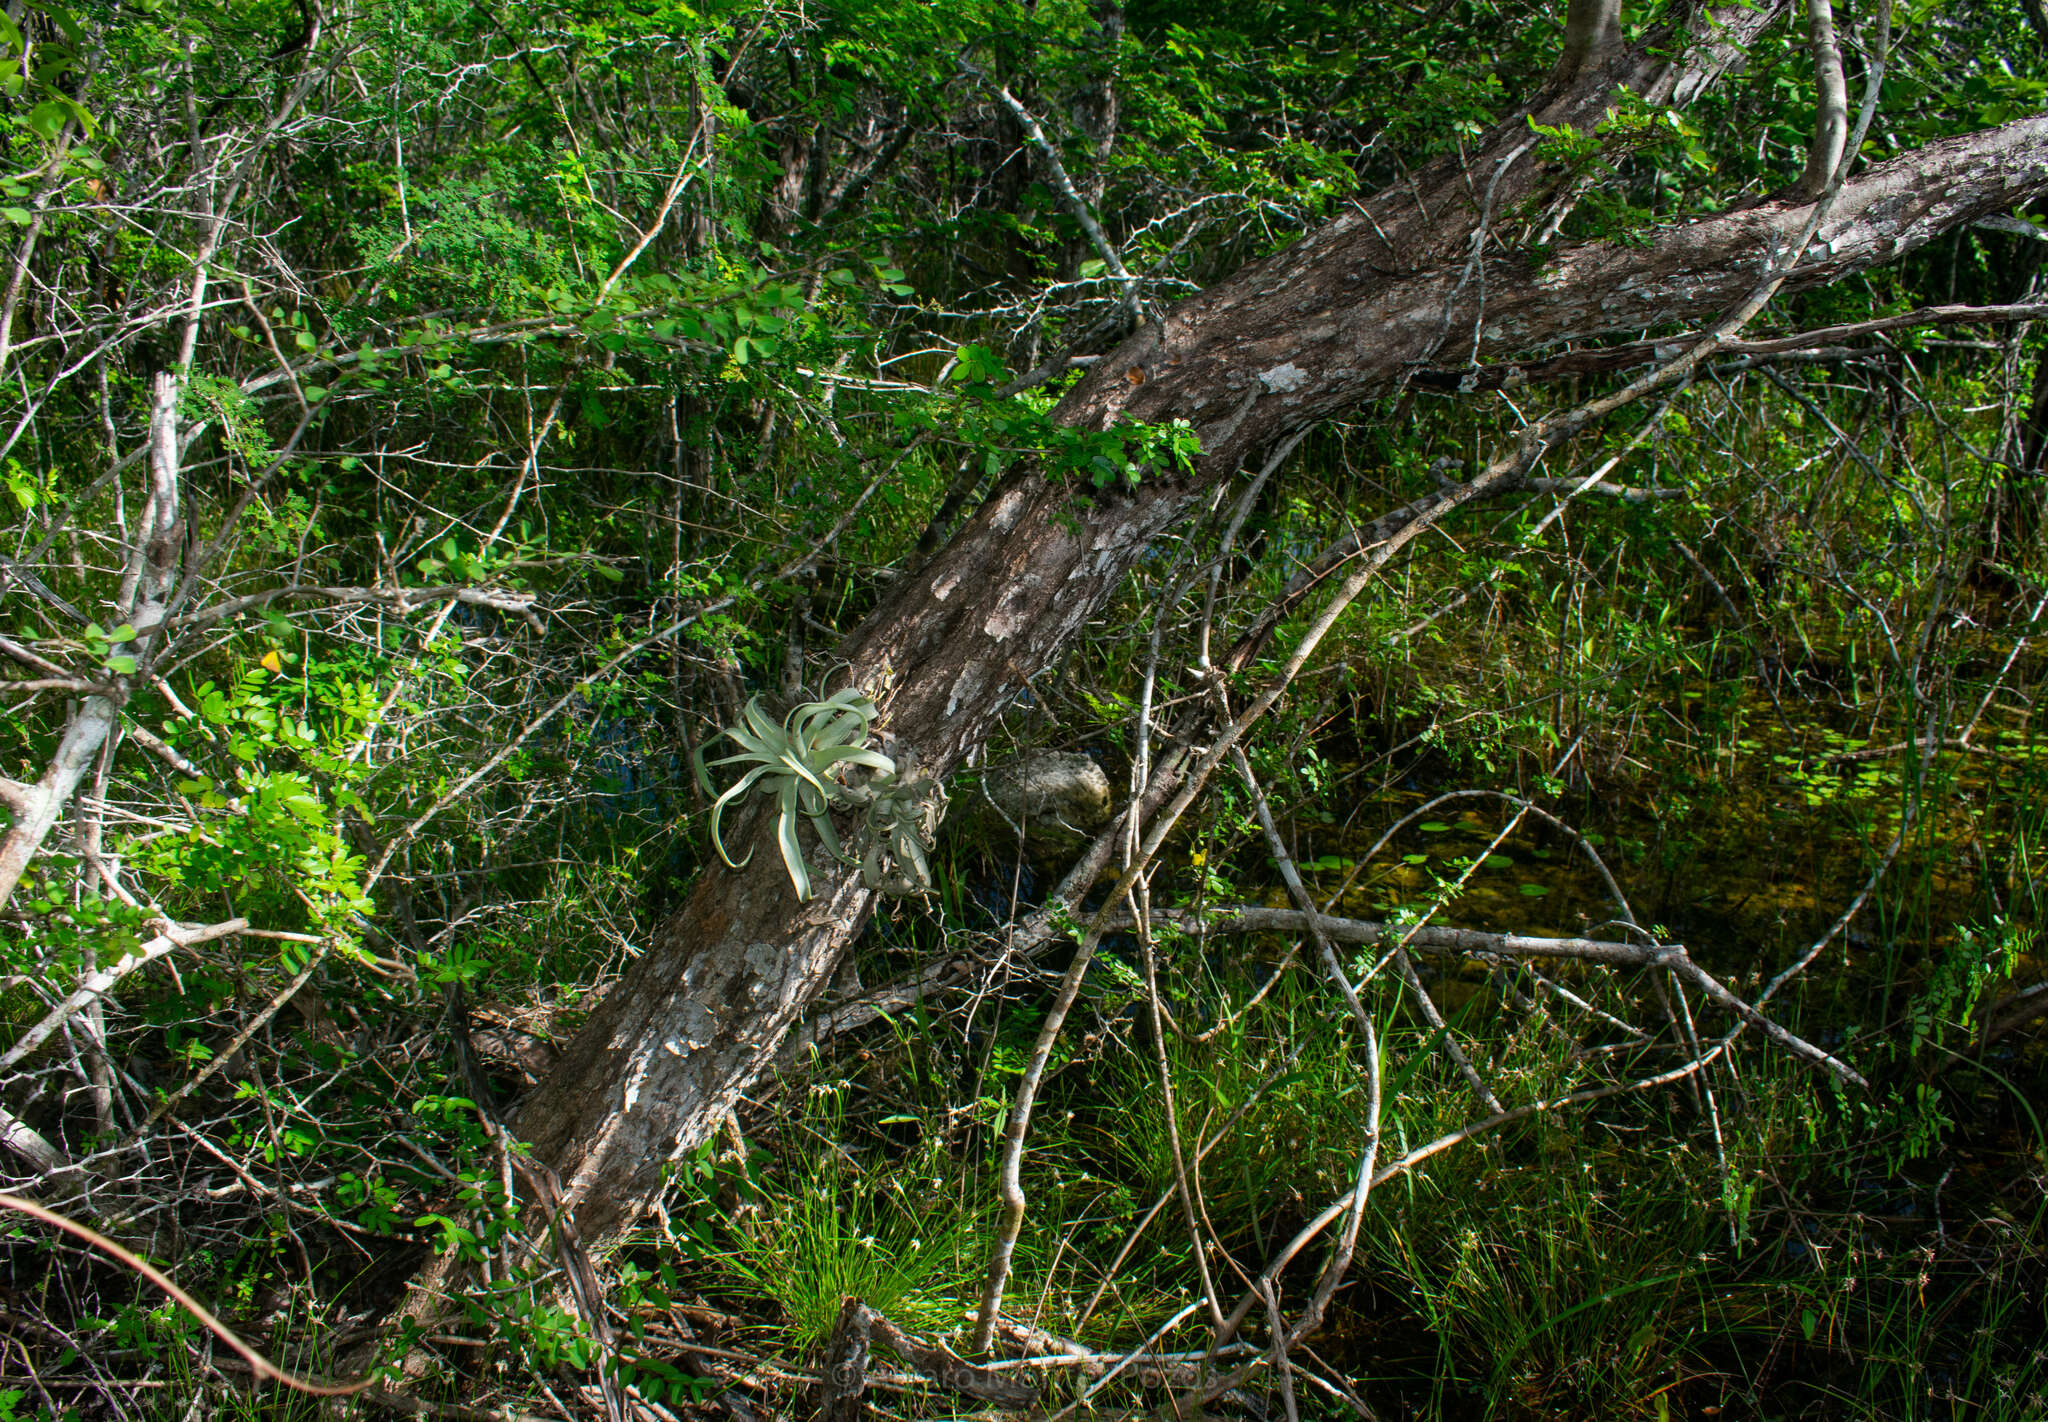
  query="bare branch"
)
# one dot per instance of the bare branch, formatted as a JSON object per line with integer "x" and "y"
{"x": 401, "y": 599}
{"x": 31, "y": 1145}
{"x": 95, "y": 985}
{"x": 151, "y": 573}
{"x": 1083, "y": 214}
{"x": 1824, "y": 149}
{"x": 1473, "y": 943}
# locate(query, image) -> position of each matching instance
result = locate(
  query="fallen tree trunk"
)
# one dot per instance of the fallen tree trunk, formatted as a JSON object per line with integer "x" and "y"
{"x": 1342, "y": 317}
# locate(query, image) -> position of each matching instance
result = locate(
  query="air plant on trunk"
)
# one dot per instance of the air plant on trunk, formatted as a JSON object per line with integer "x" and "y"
{"x": 801, "y": 761}
{"x": 902, "y": 820}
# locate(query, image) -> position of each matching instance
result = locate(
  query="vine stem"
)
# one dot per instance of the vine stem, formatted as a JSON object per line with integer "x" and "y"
{"x": 261, "y": 1366}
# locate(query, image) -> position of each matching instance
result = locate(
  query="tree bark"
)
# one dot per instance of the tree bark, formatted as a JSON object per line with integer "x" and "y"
{"x": 1831, "y": 101}
{"x": 1341, "y": 317}
{"x": 155, "y": 550}
{"x": 1592, "y": 33}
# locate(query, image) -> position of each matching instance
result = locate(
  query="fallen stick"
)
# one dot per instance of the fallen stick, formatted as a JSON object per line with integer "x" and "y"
{"x": 1246, "y": 918}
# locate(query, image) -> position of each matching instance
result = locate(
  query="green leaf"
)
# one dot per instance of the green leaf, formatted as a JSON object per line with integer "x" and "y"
{"x": 17, "y": 215}
{"x": 792, "y": 852}
{"x": 1534, "y": 891}
{"x": 48, "y": 118}
{"x": 58, "y": 15}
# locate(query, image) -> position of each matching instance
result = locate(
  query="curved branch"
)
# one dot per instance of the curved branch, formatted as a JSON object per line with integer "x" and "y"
{"x": 261, "y": 1366}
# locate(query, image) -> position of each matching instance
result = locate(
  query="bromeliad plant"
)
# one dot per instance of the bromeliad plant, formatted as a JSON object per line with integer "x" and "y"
{"x": 902, "y": 820}
{"x": 800, "y": 763}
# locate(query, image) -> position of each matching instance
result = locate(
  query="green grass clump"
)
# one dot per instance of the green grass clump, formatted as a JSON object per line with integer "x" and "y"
{"x": 1548, "y": 1286}
{"x": 889, "y": 1235}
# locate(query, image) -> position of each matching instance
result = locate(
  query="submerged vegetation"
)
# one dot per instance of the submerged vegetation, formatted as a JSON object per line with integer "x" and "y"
{"x": 529, "y": 549}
